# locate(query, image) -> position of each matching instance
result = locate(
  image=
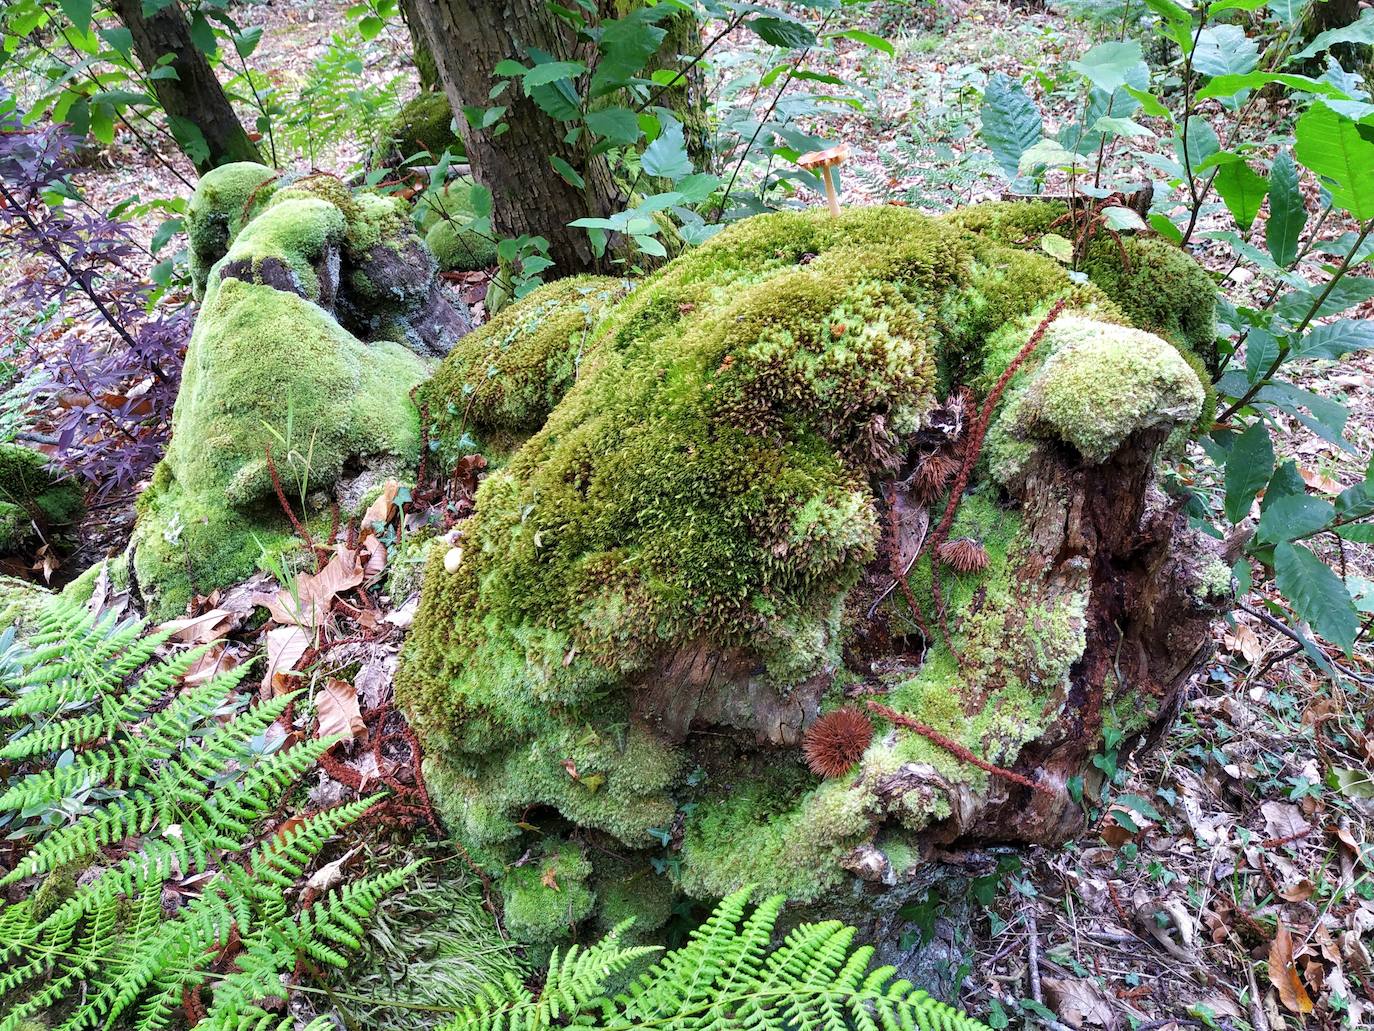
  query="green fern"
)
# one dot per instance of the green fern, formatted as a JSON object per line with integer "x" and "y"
{"x": 728, "y": 975}
{"x": 181, "y": 787}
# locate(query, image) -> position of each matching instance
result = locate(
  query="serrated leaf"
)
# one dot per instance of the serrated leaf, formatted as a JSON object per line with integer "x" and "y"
{"x": 1109, "y": 66}
{"x": 1316, "y": 594}
{"x": 1333, "y": 146}
{"x": 566, "y": 172}
{"x": 619, "y": 125}
{"x": 1248, "y": 467}
{"x": 1011, "y": 123}
{"x": 1241, "y": 188}
{"x": 1287, "y": 211}
{"x": 1297, "y": 515}
{"x": 552, "y": 71}
{"x": 667, "y": 155}
{"x": 625, "y": 46}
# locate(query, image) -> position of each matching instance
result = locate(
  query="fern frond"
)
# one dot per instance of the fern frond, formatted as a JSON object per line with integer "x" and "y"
{"x": 726, "y": 977}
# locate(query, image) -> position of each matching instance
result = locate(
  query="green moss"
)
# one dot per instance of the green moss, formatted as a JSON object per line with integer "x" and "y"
{"x": 453, "y": 200}
{"x": 224, "y": 200}
{"x": 546, "y": 896}
{"x": 1160, "y": 289}
{"x": 458, "y": 248}
{"x": 1097, "y": 387}
{"x": 35, "y": 498}
{"x": 264, "y": 368}
{"x": 697, "y": 477}
{"x": 293, "y": 230}
{"x": 424, "y": 123}
{"x": 508, "y": 375}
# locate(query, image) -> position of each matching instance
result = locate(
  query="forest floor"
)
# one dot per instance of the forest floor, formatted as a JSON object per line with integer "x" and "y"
{"x": 1239, "y": 843}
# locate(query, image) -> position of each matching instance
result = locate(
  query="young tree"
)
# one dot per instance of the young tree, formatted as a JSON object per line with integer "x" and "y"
{"x": 519, "y": 160}
{"x": 193, "y": 99}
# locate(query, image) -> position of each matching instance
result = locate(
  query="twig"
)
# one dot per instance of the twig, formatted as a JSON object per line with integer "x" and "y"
{"x": 955, "y": 749}
{"x": 1033, "y": 957}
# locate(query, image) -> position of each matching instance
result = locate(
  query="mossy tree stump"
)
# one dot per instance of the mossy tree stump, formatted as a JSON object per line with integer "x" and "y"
{"x": 703, "y": 495}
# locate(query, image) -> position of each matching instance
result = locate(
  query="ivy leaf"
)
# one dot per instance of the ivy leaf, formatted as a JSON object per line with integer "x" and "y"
{"x": 1011, "y": 122}
{"x": 782, "y": 32}
{"x": 1240, "y": 187}
{"x": 1295, "y": 516}
{"x": 1287, "y": 212}
{"x": 1248, "y": 467}
{"x": 1109, "y": 66}
{"x": 667, "y": 155}
{"x": 1316, "y": 594}
{"x": 1332, "y": 145}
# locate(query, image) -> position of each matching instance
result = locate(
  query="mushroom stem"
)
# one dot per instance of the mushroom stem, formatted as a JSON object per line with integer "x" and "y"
{"x": 831, "y": 194}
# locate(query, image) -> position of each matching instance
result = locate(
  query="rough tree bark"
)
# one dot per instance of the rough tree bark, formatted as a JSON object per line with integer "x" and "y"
{"x": 468, "y": 38}
{"x": 421, "y": 54}
{"x": 195, "y": 95}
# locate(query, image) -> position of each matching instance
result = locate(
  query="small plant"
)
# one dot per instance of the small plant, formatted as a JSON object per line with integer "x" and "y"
{"x": 165, "y": 798}
{"x": 728, "y": 975}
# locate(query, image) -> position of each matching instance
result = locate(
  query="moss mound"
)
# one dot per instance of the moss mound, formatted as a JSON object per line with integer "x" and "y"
{"x": 660, "y": 576}
{"x": 35, "y": 498}
{"x": 424, "y": 123}
{"x": 305, "y": 344}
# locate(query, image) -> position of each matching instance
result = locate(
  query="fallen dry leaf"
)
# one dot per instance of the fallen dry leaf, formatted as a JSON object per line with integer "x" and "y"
{"x": 218, "y": 659}
{"x": 1284, "y": 974}
{"x": 375, "y": 561}
{"x": 337, "y": 706}
{"x": 549, "y": 878}
{"x": 309, "y": 602}
{"x": 383, "y": 506}
{"x": 285, "y": 645}
{"x": 202, "y": 629}
{"x": 1284, "y": 820}
{"x": 1078, "y": 1001}
{"x": 1245, "y": 642}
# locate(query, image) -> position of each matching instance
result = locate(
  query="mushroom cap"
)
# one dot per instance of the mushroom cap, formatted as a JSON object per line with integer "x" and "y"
{"x": 822, "y": 158}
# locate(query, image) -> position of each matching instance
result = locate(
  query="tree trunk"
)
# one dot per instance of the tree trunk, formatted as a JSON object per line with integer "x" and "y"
{"x": 194, "y": 97}
{"x": 421, "y": 54}
{"x": 468, "y": 38}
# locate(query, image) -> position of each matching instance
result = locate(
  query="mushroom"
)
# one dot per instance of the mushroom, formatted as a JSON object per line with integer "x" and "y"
{"x": 825, "y": 160}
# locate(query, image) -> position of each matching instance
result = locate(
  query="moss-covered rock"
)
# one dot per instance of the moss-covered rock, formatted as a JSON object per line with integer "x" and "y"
{"x": 36, "y": 499}
{"x": 424, "y": 123}
{"x": 224, "y": 200}
{"x": 313, "y": 312}
{"x": 679, "y": 568}
{"x": 459, "y": 248}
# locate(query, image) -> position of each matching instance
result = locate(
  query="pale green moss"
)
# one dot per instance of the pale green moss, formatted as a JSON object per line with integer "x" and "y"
{"x": 294, "y": 231}
{"x": 224, "y": 199}
{"x": 548, "y": 895}
{"x": 458, "y": 248}
{"x": 423, "y": 125}
{"x": 1102, "y": 383}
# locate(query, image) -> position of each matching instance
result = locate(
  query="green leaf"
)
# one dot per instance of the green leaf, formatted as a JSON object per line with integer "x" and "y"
{"x": 1295, "y": 516}
{"x": 1248, "y": 467}
{"x": 1109, "y": 66}
{"x": 1057, "y": 247}
{"x": 866, "y": 38}
{"x": 1011, "y": 122}
{"x": 1336, "y": 339}
{"x": 1261, "y": 349}
{"x": 203, "y": 35}
{"x": 625, "y": 46}
{"x": 567, "y": 172}
{"x": 552, "y": 71}
{"x": 1202, "y": 143}
{"x": 667, "y": 155}
{"x": 1288, "y": 12}
{"x": 1287, "y": 211}
{"x": 1361, "y": 30}
{"x": 619, "y": 125}
{"x": 102, "y": 122}
{"x": 1149, "y": 103}
{"x": 120, "y": 40}
{"x": 1178, "y": 21}
{"x": 508, "y": 69}
{"x": 782, "y": 32}
{"x": 1332, "y": 145}
{"x": 78, "y": 12}
{"x": 1358, "y": 533}
{"x": 1316, "y": 594}
{"x": 370, "y": 27}
{"x": 1122, "y": 219}
{"x": 247, "y": 41}
{"x": 1230, "y": 85}
{"x": 1225, "y": 50}
{"x": 1348, "y": 292}
{"x": 1241, "y": 188}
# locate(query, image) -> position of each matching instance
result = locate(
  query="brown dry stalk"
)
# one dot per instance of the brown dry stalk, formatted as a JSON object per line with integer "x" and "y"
{"x": 296, "y": 524}
{"x": 954, "y": 748}
{"x": 972, "y": 446}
